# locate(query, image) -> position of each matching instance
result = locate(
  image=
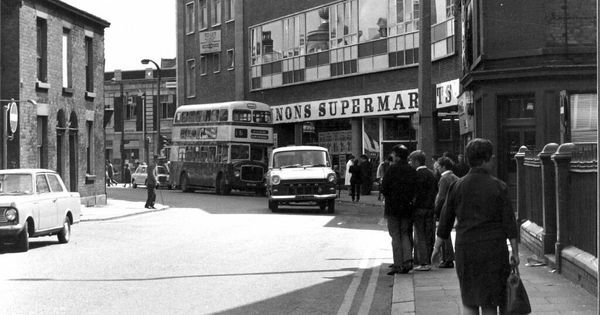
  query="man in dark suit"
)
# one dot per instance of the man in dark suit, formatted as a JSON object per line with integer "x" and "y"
{"x": 424, "y": 221}
{"x": 151, "y": 184}
{"x": 398, "y": 189}
{"x": 445, "y": 166}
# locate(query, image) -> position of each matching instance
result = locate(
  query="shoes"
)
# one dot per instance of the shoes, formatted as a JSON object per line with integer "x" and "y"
{"x": 423, "y": 268}
{"x": 395, "y": 270}
{"x": 446, "y": 264}
{"x": 392, "y": 266}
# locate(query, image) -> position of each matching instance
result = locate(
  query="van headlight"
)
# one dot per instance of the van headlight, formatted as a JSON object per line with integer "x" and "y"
{"x": 275, "y": 180}
{"x": 331, "y": 177}
{"x": 236, "y": 173}
{"x": 10, "y": 214}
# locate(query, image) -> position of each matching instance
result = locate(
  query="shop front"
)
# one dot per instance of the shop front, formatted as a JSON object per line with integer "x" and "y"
{"x": 363, "y": 124}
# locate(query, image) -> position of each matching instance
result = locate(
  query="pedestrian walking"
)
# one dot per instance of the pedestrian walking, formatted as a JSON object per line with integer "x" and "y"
{"x": 381, "y": 169}
{"x": 461, "y": 168}
{"x": 356, "y": 179}
{"x": 111, "y": 173}
{"x": 126, "y": 175}
{"x": 485, "y": 220}
{"x": 444, "y": 166}
{"x": 424, "y": 221}
{"x": 366, "y": 171}
{"x": 347, "y": 174}
{"x": 399, "y": 190}
{"x": 151, "y": 183}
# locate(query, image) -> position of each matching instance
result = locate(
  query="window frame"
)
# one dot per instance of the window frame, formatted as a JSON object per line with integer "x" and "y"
{"x": 229, "y": 11}
{"x": 216, "y": 62}
{"x": 67, "y": 58}
{"x": 190, "y": 23}
{"x": 190, "y": 78}
{"x": 42, "y": 49}
{"x": 89, "y": 63}
{"x": 203, "y": 15}
{"x": 230, "y": 59}
{"x": 216, "y": 10}
{"x": 203, "y": 65}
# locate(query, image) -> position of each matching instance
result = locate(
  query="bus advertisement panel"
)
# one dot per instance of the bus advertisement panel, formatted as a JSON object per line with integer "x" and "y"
{"x": 223, "y": 146}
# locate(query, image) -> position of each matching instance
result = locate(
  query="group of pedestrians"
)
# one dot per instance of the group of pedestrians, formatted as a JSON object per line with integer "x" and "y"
{"x": 473, "y": 201}
{"x": 358, "y": 176}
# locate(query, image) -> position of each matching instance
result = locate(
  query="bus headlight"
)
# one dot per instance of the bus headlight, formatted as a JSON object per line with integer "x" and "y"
{"x": 11, "y": 214}
{"x": 236, "y": 173}
{"x": 331, "y": 178}
{"x": 275, "y": 180}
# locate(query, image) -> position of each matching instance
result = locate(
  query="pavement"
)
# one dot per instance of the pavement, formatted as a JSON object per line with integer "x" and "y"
{"x": 427, "y": 292}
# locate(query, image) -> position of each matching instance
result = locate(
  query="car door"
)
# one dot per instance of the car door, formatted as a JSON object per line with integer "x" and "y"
{"x": 46, "y": 203}
{"x": 63, "y": 198}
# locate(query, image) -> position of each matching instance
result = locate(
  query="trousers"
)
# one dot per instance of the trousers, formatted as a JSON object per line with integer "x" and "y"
{"x": 400, "y": 230}
{"x": 424, "y": 235}
{"x": 151, "y": 195}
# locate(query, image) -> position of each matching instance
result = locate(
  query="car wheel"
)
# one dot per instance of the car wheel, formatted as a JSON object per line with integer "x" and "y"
{"x": 323, "y": 205}
{"x": 133, "y": 184}
{"x": 225, "y": 189}
{"x": 331, "y": 206}
{"x": 23, "y": 239}
{"x": 274, "y": 206}
{"x": 65, "y": 234}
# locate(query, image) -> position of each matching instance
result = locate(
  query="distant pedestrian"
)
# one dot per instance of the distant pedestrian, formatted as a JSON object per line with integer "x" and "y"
{"x": 356, "y": 180}
{"x": 347, "y": 174}
{"x": 366, "y": 170}
{"x": 126, "y": 175}
{"x": 398, "y": 190}
{"x": 151, "y": 183}
{"x": 445, "y": 165}
{"x": 111, "y": 173}
{"x": 461, "y": 168}
{"x": 485, "y": 220}
{"x": 424, "y": 221}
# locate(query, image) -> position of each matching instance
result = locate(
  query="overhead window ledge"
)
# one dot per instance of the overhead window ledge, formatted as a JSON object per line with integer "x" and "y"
{"x": 67, "y": 90}
{"x": 90, "y": 179}
{"x": 42, "y": 85}
{"x": 90, "y": 94}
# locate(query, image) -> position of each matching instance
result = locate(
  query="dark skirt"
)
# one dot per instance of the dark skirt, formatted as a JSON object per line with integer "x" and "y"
{"x": 482, "y": 269}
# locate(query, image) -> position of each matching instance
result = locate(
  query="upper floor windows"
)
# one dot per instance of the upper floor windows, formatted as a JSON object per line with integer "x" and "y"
{"x": 229, "y": 10}
{"x": 190, "y": 78}
{"x": 190, "y": 20}
{"x": 42, "y": 49}
{"x": 67, "y": 75}
{"x": 202, "y": 15}
{"x": 89, "y": 64}
{"x": 215, "y": 9}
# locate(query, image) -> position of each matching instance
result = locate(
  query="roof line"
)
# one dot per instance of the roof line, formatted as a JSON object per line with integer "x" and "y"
{"x": 80, "y": 12}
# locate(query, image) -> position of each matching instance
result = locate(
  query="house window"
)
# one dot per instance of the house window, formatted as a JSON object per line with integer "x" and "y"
{"x": 216, "y": 63}
{"x": 132, "y": 102}
{"x": 229, "y": 10}
{"x": 230, "y": 59}
{"x": 66, "y": 58}
{"x": 584, "y": 117}
{"x": 216, "y": 12}
{"x": 189, "y": 18}
{"x": 42, "y": 50}
{"x": 90, "y": 148}
{"x": 203, "y": 65}
{"x": 202, "y": 14}
{"x": 89, "y": 64}
{"x": 190, "y": 78}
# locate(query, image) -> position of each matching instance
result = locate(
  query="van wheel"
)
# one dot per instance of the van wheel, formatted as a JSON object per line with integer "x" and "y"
{"x": 133, "y": 184}
{"x": 23, "y": 239}
{"x": 274, "y": 206}
{"x": 65, "y": 234}
{"x": 331, "y": 206}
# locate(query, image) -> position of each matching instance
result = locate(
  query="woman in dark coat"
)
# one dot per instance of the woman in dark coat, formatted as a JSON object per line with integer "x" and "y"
{"x": 355, "y": 180}
{"x": 485, "y": 220}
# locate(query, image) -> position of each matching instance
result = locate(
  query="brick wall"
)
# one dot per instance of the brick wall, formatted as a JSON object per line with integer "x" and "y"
{"x": 578, "y": 18}
{"x": 21, "y": 32}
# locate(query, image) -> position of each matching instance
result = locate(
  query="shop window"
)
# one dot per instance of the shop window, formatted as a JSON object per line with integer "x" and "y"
{"x": 517, "y": 106}
{"x": 398, "y": 129}
{"x": 448, "y": 128}
{"x": 584, "y": 117}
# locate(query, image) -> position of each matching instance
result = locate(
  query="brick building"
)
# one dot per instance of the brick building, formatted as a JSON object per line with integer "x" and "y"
{"x": 132, "y": 97}
{"x": 53, "y": 54}
{"x": 339, "y": 74}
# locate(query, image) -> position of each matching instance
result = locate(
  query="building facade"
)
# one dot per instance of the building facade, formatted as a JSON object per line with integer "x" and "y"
{"x": 339, "y": 74}
{"x": 131, "y": 131}
{"x": 52, "y": 58}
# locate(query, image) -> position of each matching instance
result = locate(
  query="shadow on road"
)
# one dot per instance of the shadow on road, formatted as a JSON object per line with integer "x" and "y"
{"x": 10, "y": 248}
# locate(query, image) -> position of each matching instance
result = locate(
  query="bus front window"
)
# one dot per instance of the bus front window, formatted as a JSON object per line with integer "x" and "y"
{"x": 242, "y": 115}
{"x": 262, "y": 117}
{"x": 258, "y": 153}
{"x": 240, "y": 152}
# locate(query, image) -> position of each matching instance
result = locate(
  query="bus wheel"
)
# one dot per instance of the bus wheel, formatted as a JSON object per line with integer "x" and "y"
{"x": 184, "y": 183}
{"x": 223, "y": 187}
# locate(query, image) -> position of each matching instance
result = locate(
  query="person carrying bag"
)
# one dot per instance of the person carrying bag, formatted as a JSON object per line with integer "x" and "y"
{"x": 517, "y": 301}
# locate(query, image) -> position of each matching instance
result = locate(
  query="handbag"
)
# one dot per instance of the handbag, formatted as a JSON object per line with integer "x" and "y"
{"x": 517, "y": 301}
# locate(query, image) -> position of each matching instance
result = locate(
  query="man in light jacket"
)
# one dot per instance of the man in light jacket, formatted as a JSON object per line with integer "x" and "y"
{"x": 445, "y": 165}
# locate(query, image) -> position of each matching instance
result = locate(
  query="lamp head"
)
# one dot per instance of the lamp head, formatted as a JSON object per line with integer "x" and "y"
{"x": 33, "y": 102}
{"x": 145, "y": 61}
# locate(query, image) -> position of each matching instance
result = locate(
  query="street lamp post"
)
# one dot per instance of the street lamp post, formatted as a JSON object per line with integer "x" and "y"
{"x": 158, "y": 144}
{"x": 5, "y": 136}
{"x": 122, "y": 146}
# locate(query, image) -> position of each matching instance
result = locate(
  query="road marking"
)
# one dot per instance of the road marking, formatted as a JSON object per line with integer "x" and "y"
{"x": 365, "y": 306}
{"x": 353, "y": 288}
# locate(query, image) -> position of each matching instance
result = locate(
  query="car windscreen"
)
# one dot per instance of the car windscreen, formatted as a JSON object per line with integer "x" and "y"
{"x": 303, "y": 158}
{"x": 16, "y": 184}
{"x": 162, "y": 170}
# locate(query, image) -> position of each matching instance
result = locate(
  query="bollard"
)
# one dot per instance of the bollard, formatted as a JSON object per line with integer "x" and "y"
{"x": 562, "y": 160}
{"x": 548, "y": 198}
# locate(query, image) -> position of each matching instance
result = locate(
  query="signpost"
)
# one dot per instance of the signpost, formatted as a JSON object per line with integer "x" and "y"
{"x": 13, "y": 117}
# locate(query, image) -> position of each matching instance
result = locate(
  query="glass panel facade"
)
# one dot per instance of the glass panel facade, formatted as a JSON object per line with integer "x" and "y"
{"x": 352, "y": 36}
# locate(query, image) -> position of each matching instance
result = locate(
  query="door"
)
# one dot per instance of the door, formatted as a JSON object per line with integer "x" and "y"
{"x": 512, "y": 139}
{"x": 46, "y": 203}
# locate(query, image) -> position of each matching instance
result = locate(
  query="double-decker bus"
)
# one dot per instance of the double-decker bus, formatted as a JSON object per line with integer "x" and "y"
{"x": 222, "y": 145}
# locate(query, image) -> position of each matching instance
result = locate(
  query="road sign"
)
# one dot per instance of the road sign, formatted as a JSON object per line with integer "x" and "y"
{"x": 13, "y": 116}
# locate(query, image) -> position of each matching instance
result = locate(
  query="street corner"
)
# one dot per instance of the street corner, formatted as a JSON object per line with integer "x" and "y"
{"x": 116, "y": 209}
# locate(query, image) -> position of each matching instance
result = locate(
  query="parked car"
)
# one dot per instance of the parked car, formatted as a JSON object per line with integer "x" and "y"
{"x": 300, "y": 175}
{"x": 140, "y": 176}
{"x": 35, "y": 202}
